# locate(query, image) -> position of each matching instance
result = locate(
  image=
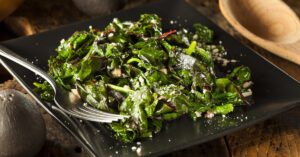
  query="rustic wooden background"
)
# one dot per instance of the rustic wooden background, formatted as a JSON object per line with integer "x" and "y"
{"x": 279, "y": 136}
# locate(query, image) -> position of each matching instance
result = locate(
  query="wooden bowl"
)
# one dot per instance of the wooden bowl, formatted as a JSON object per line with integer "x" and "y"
{"x": 99, "y": 7}
{"x": 270, "y": 24}
{"x": 8, "y": 6}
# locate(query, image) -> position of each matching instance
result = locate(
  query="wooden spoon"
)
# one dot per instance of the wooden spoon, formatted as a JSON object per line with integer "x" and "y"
{"x": 270, "y": 24}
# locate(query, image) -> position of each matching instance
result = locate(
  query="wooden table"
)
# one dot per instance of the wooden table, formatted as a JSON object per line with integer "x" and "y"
{"x": 279, "y": 136}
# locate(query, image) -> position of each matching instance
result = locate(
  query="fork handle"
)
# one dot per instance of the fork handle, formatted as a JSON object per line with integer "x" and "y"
{"x": 9, "y": 54}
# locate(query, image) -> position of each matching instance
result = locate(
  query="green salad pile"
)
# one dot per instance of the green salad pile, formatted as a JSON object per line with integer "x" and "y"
{"x": 136, "y": 69}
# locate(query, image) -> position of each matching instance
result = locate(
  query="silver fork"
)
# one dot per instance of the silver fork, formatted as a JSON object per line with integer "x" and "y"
{"x": 67, "y": 101}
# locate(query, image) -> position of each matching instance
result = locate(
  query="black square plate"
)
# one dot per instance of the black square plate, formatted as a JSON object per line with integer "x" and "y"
{"x": 274, "y": 91}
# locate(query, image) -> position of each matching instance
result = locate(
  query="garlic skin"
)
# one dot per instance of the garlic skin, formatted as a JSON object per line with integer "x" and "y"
{"x": 22, "y": 128}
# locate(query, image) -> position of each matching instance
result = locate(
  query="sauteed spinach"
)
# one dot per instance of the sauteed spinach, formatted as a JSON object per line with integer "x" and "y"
{"x": 136, "y": 69}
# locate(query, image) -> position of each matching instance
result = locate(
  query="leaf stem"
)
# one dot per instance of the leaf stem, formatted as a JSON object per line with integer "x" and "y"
{"x": 120, "y": 89}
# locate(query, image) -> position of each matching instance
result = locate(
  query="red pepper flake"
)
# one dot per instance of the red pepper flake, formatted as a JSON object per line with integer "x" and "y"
{"x": 167, "y": 34}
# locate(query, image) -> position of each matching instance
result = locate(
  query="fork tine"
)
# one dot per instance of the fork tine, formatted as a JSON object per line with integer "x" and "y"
{"x": 97, "y": 112}
{"x": 80, "y": 116}
{"x": 84, "y": 112}
{"x": 91, "y": 113}
{"x": 85, "y": 116}
{"x": 98, "y": 116}
{"x": 82, "y": 109}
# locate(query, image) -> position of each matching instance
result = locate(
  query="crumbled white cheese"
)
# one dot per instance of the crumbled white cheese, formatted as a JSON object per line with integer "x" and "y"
{"x": 116, "y": 72}
{"x": 225, "y": 62}
{"x": 164, "y": 70}
{"x": 247, "y": 84}
{"x": 184, "y": 30}
{"x": 195, "y": 37}
{"x": 215, "y": 50}
{"x": 62, "y": 41}
{"x": 133, "y": 148}
{"x": 101, "y": 34}
{"x": 233, "y": 61}
{"x": 153, "y": 21}
{"x": 248, "y": 93}
{"x": 115, "y": 20}
{"x": 110, "y": 35}
{"x": 139, "y": 150}
{"x": 209, "y": 114}
{"x": 198, "y": 114}
{"x": 185, "y": 40}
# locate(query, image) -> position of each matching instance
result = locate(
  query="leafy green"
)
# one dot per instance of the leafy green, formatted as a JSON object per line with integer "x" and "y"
{"x": 240, "y": 74}
{"x": 135, "y": 69}
{"x": 204, "y": 33}
{"x": 45, "y": 89}
{"x": 95, "y": 94}
{"x": 223, "y": 109}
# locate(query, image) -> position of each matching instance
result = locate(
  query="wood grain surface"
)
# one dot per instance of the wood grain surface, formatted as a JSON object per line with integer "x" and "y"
{"x": 279, "y": 136}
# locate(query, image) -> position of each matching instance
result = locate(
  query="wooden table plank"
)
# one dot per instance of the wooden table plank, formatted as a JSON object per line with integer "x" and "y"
{"x": 279, "y": 136}
{"x": 51, "y": 14}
